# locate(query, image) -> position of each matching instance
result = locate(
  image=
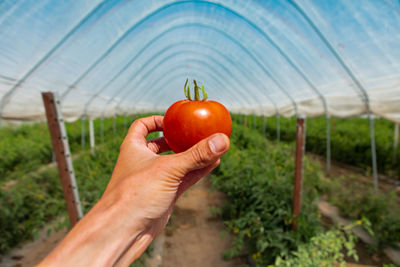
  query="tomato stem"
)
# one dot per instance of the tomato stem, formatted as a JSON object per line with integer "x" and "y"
{"x": 187, "y": 90}
{"x": 196, "y": 91}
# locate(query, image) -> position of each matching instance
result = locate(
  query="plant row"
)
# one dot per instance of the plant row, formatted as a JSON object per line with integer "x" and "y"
{"x": 26, "y": 147}
{"x": 257, "y": 178}
{"x": 350, "y": 139}
{"x": 36, "y": 198}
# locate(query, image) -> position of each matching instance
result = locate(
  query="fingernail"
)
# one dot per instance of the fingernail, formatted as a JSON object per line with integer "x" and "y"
{"x": 217, "y": 143}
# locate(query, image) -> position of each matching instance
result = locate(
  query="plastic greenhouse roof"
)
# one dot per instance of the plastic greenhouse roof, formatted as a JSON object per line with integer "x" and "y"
{"x": 337, "y": 57}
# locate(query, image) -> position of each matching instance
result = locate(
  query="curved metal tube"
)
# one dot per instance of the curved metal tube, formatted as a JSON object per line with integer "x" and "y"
{"x": 127, "y": 32}
{"x": 164, "y": 61}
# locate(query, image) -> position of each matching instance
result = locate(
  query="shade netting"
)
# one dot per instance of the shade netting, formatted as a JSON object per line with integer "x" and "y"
{"x": 339, "y": 57}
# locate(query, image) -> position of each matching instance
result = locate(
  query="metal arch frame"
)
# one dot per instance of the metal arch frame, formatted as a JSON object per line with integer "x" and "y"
{"x": 160, "y": 53}
{"x": 159, "y": 91}
{"x": 261, "y": 66}
{"x": 137, "y": 24}
{"x": 173, "y": 45}
{"x": 5, "y": 99}
{"x": 173, "y": 77}
{"x": 355, "y": 81}
{"x": 164, "y": 61}
{"x": 148, "y": 45}
{"x": 155, "y": 82}
{"x": 129, "y": 81}
{"x": 217, "y": 53}
{"x": 181, "y": 71}
{"x": 125, "y": 34}
{"x": 113, "y": 98}
{"x": 198, "y": 61}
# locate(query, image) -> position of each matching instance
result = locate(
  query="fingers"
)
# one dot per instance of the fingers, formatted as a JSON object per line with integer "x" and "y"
{"x": 158, "y": 145}
{"x": 204, "y": 153}
{"x": 140, "y": 128}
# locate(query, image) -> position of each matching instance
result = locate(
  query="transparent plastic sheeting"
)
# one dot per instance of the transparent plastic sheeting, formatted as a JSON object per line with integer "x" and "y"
{"x": 337, "y": 57}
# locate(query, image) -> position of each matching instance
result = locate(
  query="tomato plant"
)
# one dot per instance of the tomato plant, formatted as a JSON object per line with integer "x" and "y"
{"x": 188, "y": 121}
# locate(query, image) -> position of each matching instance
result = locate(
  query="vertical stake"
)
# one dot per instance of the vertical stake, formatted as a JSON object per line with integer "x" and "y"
{"x": 83, "y": 132}
{"x": 60, "y": 143}
{"x": 254, "y": 121}
{"x": 91, "y": 135}
{"x": 264, "y": 125}
{"x": 373, "y": 151}
{"x": 395, "y": 142}
{"x": 298, "y": 174}
{"x": 114, "y": 125}
{"x": 245, "y": 120}
{"x": 278, "y": 128}
{"x": 328, "y": 143}
{"x": 102, "y": 129}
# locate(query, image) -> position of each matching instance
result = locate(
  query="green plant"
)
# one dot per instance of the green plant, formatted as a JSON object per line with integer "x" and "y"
{"x": 350, "y": 139}
{"x": 380, "y": 209}
{"x": 257, "y": 178}
{"x": 323, "y": 250}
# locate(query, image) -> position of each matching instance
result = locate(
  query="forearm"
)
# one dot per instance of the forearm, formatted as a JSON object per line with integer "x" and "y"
{"x": 101, "y": 238}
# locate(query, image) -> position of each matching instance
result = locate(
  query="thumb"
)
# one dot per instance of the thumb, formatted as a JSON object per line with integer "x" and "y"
{"x": 204, "y": 153}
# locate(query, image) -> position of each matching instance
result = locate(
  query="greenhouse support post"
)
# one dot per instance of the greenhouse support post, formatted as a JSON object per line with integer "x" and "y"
{"x": 328, "y": 143}
{"x": 264, "y": 125}
{"x": 91, "y": 135}
{"x": 114, "y": 125}
{"x": 396, "y": 141}
{"x": 278, "y": 128}
{"x": 83, "y": 132}
{"x": 373, "y": 151}
{"x": 254, "y": 122}
{"x": 102, "y": 129}
{"x": 60, "y": 143}
{"x": 298, "y": 175}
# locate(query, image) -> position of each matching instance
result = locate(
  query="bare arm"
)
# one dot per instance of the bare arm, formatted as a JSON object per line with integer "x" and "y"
{"x": 138, "y": 200}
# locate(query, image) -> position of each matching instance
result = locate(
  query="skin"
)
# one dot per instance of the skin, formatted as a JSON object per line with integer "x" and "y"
{"x": 138, "y": 200}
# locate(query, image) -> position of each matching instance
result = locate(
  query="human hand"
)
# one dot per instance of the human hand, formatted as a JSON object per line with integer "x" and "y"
{"x": 139, "y": 198}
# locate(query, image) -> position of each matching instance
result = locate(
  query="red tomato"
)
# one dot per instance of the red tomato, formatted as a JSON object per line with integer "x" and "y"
{"x": 187, "y": 122}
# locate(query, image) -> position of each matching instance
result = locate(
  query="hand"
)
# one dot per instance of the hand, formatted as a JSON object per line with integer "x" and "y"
{"x": 139, "y": 198}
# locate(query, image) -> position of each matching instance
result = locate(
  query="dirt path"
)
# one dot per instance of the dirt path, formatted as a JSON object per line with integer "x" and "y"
{"x": 193, "y": 237}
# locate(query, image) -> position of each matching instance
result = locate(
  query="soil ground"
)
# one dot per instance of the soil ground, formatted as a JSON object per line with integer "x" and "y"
{"x": 193, "y": 236}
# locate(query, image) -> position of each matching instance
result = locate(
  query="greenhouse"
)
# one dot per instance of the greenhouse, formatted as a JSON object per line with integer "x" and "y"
{"x": 312, "y": 173}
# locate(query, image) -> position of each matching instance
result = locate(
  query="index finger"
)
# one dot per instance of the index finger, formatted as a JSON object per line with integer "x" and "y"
{"x": 140, "y": 128}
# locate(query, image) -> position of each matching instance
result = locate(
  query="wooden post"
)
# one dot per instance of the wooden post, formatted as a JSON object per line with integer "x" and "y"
{"x": 298, "y": 175}
{"x": 63, "y": 155}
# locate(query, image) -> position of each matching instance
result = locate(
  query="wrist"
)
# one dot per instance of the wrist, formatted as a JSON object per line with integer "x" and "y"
{"x": 100, "y": 238}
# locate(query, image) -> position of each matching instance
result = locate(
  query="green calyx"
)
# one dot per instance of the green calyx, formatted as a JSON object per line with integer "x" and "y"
{"x": 196, "y": 91}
